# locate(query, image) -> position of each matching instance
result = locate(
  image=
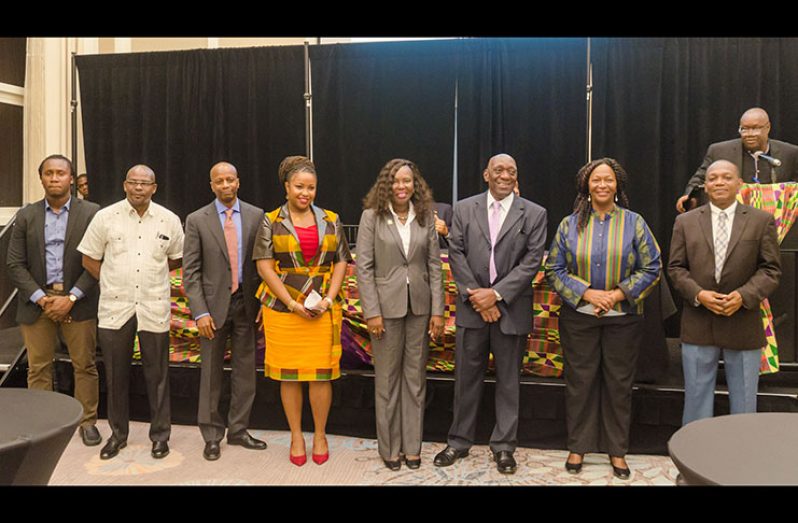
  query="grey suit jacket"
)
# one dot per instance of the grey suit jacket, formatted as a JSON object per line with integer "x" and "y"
{"x": 752, "y": 267}
{"x": 732, "y": 150}
{"x": 26, "y": 264}
{"x": 383, "y": 269}
{"x": 206, "y": 264}
{"x": 518, "y": 253}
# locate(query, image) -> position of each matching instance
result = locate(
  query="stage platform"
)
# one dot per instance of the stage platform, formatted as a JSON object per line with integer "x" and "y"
{"x": 657, "y": 407}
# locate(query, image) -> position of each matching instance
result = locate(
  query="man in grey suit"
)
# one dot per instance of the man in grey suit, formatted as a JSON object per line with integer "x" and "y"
{"x": 724, "y": 261}
{"x": 753, "y": 154}
{"x": 56, "y": 295}
{"x": 495, "y": 249}
{"x": 221, "y": 281}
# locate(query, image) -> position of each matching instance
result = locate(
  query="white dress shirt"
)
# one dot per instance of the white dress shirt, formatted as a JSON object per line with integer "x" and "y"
{"x": 506, "y": 203}
{"x": 404, "y": 228}
{"x": 134, "y": 278}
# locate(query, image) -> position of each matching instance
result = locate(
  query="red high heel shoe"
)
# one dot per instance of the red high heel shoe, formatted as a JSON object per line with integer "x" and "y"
{"x": 299, "y": 460}
{"x": 319, "y": 459}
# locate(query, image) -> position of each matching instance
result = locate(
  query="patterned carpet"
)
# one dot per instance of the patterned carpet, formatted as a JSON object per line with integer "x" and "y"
{"x": 353, "y": 461}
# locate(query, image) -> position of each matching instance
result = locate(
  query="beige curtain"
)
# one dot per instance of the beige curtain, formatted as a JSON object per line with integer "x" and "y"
{"x": 33, "y": 115}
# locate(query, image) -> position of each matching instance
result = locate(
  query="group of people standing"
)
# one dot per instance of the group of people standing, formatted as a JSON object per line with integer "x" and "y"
{"x": 288, "y": 265}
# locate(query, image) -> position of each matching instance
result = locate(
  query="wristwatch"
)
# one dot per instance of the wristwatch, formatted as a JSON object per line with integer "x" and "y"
{"x": 498, "y": 296}
{"x": 73, "y": 298}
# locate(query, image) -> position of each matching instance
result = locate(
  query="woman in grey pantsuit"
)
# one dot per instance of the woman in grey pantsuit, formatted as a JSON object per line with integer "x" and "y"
{"x": 399, "y": 279}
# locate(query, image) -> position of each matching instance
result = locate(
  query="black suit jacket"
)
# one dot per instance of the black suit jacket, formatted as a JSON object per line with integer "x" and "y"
{"x": 26, "y": 265}
{"x": 732, "y": 150}
{"x": 206, "y": 264}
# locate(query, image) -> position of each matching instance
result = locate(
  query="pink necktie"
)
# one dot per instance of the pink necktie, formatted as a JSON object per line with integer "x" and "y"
{"x": 231, "y": 239}
{"x": 493, "y": 223}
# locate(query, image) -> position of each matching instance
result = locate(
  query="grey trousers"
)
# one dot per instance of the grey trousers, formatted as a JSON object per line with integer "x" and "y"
{"x": 400, "y": 385}
{"x": 117, "y": 350}
{"x": 241, "y": 330}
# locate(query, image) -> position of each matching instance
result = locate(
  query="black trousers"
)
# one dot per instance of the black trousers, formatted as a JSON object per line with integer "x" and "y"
{"x": 600, "y": 357}
{"x": 240, "y": 329}
{"x": 117, "y": 349}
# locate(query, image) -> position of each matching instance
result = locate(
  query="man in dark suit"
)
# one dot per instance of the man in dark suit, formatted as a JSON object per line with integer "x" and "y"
{"x": 495, "y": 249}
{"x": 754, "y": 155}
{"x": 724, "y": 261}
{"x": 443, "y": 222}
{"x": 56, "y": 295}
{"x": 221, "y": 280}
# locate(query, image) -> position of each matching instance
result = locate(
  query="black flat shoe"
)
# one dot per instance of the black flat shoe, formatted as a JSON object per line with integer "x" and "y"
{"x": 505, "y": 462}
{"x": 246, "y": 441}
{"x": 212, "y": 451}
{"x": 90, "y": 435}
{"x": 112, "y": 448}
{"x": 160, "y": 449}
{"x": 449, "y": 456}
{"x": 573, "y": 468}
{"x": 394, "y": 465}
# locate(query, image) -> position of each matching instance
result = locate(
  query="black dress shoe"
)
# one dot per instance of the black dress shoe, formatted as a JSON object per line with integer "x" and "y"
{"x": 90, "y": 435}
{"x": 112, "y": 448}
{"x": 212, "y": 451}
{"x": 160, "y": 449}
{"x": 246, "y": 441}
{"x": 573, "y": 468}
{"x": 413, "y": 464}
{"x": 394, "y": 465}
{"x": 449, "y": 456}
{"x": 505, "y": 462}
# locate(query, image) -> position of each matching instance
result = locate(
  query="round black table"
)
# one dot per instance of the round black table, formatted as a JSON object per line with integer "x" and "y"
{"x": 743, "y": 449}
{"x": 35, "y": 428}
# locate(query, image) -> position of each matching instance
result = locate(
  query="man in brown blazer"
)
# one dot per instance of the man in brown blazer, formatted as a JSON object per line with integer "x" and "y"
{"x": 724, "y": 261}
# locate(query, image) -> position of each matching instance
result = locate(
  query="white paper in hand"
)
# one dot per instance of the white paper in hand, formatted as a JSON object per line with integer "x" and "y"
{"x": 313, "y": 301}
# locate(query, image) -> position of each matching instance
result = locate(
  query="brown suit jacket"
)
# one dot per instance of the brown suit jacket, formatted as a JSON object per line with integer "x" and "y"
{"x": 752, "y": 267}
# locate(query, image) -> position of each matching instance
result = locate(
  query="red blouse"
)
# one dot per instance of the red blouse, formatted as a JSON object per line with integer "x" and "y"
{"x": 308, "y": 241}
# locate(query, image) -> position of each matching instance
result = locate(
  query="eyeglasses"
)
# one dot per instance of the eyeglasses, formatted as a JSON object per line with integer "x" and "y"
{"x": 752, "y": 130}
{"x": 133, "y": 183}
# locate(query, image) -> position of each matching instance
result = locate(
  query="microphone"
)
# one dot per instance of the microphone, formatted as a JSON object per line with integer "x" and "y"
{"x": 775, "y": 162}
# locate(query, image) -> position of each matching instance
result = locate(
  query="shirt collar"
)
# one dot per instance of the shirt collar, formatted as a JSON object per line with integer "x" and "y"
{"x": 766, "y": 151}
{"x": 149, "y": 211}
{"x": 506, "y": 203}
{"x": 728, "y": 210}
{"x": 410, "y": 213}
{"x": 220, "y": 207}
{"x": 65, "y": 206}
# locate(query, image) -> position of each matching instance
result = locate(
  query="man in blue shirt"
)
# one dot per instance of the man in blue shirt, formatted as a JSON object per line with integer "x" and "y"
{"x": 221, "y": 281}
{"x": 56, "y": 295}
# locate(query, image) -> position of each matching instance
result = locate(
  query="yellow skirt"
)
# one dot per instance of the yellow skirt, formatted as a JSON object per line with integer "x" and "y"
{"x": 300, "y": 350}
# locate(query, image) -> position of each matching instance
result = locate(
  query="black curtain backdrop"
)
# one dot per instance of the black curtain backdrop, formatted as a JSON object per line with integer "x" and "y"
{"x": 524, "y": 97}
{"x": 377, "y": 101}
{"x": 660, "y": 102}
{"x": 181, "y": 112}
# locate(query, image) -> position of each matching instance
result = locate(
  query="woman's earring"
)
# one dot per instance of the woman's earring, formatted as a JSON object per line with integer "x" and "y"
{"x": 616, "y": 197}
{"x": 588, "y": 197}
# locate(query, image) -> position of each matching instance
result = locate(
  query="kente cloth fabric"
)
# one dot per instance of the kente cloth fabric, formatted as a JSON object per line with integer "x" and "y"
{"x": 780, "y": 200}
{"x": 298, "y": 349}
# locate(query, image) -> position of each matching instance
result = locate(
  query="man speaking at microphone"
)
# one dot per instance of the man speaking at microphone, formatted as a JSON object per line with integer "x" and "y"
{"x": 757, "y": 158}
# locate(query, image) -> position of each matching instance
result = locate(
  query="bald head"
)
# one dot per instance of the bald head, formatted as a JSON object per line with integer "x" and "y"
{"x": 141, "y": 170}
{"x": 723, "y": 165}
{"x": 501, "y": 175}
{"x": 754, "y": 129}
{"x": 224, "y": 168}
{"x": 224, "y": 183}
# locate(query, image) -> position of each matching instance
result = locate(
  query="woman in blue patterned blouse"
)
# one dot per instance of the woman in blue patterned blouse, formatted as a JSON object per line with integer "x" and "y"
{"x": 603, "y": 262}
